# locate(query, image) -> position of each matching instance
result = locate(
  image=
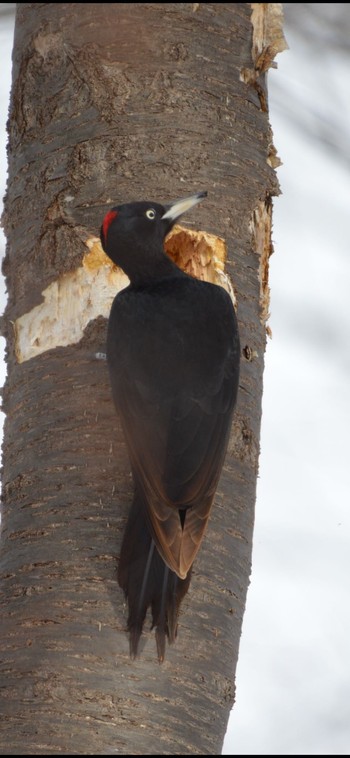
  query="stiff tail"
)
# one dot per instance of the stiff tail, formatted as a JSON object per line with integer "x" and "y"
{"x": 147, "y": 581}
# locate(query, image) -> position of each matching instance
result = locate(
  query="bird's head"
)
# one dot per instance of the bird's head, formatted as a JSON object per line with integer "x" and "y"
{"x": 133, "y": 234}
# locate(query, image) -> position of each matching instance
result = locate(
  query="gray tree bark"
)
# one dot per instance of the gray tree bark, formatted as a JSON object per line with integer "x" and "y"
{"x": 112, "y": 103}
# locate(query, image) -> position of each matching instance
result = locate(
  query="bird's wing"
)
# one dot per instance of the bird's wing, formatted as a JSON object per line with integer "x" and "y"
{"x": 177, "y": 456}
{"x": 176, "y": 433}
{"x": 180, "y": 475}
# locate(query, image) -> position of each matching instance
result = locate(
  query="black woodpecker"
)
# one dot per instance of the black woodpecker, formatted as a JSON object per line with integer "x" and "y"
{"x": 173, "y": 357}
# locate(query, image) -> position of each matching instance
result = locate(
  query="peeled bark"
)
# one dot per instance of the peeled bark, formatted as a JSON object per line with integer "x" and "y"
{"x": 112, "y": 103}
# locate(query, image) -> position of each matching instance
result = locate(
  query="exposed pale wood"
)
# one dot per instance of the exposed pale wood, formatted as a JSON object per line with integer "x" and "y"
{"x": 268, "y": 37}
{"x": 261, "y": 227}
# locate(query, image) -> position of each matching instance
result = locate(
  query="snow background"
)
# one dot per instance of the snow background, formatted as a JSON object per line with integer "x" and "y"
{"x": 293, "y": 677}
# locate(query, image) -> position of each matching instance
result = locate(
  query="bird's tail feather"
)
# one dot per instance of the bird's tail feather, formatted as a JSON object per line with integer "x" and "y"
{"x": 147, "y": 581}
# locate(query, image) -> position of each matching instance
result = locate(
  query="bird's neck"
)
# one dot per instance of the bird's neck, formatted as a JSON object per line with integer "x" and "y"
{"x": 152, "y": 270}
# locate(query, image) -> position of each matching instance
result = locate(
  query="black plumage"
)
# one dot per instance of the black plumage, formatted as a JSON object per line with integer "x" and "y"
{"x": 173, "y": 357}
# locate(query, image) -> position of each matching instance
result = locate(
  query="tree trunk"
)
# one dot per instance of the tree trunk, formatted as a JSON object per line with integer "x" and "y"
{"x": 111, "y": 103}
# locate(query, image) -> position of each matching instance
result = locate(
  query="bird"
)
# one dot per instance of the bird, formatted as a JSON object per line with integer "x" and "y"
{"x": 173, "y": 356}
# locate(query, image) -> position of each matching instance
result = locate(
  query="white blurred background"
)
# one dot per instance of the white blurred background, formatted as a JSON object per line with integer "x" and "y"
{"x": 293, "y": 679}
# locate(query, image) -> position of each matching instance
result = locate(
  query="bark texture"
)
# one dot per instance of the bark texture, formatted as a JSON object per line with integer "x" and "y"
{"x": 113, "y": 103}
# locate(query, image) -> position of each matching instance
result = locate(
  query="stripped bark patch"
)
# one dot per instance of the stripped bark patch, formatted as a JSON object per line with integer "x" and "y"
{"x": 69, "y": 304}
{"x": 268, "y": 37}
{"x": 268, "y": 40}
{"x": 261, "y": 224}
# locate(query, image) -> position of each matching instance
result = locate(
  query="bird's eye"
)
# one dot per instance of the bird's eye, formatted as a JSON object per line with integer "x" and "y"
{"x": 151, "y": 214}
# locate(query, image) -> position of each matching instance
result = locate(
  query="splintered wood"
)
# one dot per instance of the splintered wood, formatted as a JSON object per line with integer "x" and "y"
{"x": 200, "y": 254}
{"x": 261, "y": 232}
